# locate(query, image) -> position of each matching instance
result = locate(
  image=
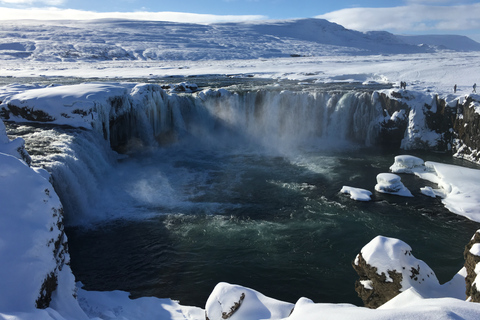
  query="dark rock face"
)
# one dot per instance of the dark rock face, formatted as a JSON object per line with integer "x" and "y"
{"x": 392, "y": 132}
{"x": 380, "y": 290}
{"x": 467, "y": 131}
{"x": 27, "y": 113}
{"x": 471, "y": 260}
{"x": 59, "y": 249}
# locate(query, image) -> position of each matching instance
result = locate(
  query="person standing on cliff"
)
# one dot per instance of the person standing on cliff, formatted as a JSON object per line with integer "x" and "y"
{"x": 455, "y": 88}
{"x": 474, "y": 88}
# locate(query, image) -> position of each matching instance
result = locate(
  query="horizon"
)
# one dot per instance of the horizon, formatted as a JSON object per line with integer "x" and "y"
{"x": 407, "y": 17}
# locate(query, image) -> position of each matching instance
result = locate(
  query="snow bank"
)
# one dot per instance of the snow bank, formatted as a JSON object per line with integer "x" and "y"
{"x": 32, "y": 242}
{"x": 435, "y": 309}
{"x": 116, "y": 305}
{"x": 79, "y": 105}
{"x": 357, "y": 193}
{"x": 459, "y": 187}
{"x": 390, "y": 183}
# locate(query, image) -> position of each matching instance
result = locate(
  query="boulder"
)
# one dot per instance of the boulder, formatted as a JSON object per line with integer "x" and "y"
{"x": 386, "y": 267}
{"x": 235, "y": 302}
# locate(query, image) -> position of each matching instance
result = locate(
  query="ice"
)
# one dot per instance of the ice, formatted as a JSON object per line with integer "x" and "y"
{"x": 390, "y": 183}
{"x": 428, "y": 191}
{"x": 357, "y": 193}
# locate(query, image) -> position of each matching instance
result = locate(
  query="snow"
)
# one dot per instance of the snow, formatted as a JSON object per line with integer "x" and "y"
{"x": 357, "y": 193}
{"x": 406, "y": 164}
{"x": 307, "y": 51}
{"x": 389, "y": 254}
{"x": 390, "y": 183}
{"x": 475, "y": 249}
{"x": 226, "y": 298}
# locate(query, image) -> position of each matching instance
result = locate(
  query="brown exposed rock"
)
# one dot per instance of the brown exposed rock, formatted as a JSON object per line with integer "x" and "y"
{"x": 471, "y": 261}
{"x": 382, "y": 290}
{"x": 467, "y": 128}
{"x": 236, "y": 305}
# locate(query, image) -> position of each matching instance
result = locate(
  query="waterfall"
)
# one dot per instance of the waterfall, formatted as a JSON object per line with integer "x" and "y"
{"x": 81, "y": 161}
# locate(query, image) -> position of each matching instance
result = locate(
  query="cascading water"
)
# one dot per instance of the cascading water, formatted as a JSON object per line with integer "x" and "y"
{"x": 240, "y": 187}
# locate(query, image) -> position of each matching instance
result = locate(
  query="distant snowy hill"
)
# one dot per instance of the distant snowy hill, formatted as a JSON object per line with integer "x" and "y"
{"x": 450, "y": 42}
{"x": 113, "y": 39}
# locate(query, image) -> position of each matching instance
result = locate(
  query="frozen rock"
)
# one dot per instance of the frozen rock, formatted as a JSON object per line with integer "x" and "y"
{"x": 390, "y": 183}
{"x": 407, "y": 164}
{"x": 235, "y": 302}
{"x": 357, "y": 193}
{"x": 386, "y": 268}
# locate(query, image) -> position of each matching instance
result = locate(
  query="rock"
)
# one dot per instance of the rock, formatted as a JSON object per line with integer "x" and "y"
{"x": 467, "y": 130}
{"x": 373, "y": 288}
{"x": 33, "y": 245}
{"x": 386, "y": 267}
{"x": 235, "y": 302}
{"x": 472, "y": 265}
{"x": 390, "y": 183}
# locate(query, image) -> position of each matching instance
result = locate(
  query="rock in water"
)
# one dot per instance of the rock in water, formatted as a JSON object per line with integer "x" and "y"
{"x": 387, "y": 267}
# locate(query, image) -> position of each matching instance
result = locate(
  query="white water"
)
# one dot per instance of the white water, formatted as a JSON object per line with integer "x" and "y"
{"x": 281, "y": 123}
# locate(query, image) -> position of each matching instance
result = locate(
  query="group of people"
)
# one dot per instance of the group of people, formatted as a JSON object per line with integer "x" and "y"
{"x": 474, "y": 88}
{"x": 403, "y": 85}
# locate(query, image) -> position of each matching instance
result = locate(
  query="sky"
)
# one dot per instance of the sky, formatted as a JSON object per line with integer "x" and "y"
{"x": 398, "y": 16}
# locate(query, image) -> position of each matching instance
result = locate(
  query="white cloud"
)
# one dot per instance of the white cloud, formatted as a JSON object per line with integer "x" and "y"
{"x": 70, "y": 14}
{"x": 32, "y": 2}
{"x": 412, "y": 18}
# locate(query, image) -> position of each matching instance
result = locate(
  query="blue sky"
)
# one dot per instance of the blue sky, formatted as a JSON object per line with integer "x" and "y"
{"x": 401, "y": 17}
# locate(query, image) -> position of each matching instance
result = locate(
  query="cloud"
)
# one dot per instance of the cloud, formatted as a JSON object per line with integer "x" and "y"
{"x": 411, "y": 18}
{"x": 71, "y": 14}
{"x": 34, "y": 2}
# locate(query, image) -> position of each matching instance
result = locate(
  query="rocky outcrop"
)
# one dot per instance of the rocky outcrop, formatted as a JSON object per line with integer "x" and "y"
{"x": 386, "y": 267}
{"x": 467, "y": 130}
{"x": 416, "y": 120}
{"x": 392, "y": 129}
{"x": 472, "y": 260}
{"x": 34, "y": 246}
{"x": 373, "y": 288}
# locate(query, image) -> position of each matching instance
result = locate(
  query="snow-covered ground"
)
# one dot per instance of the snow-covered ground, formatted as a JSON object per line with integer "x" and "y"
{"x": 295, "y": 49}
{"x": 279, "y": 50}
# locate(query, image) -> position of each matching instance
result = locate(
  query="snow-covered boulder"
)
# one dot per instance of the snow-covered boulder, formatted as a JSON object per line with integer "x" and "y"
{"x": 234, "y": 302}
{"x": 407, "y": 164}
{"x": 387, "y": 267}
{"x": 357, "y": 194}
{"x": 391, "y": 183}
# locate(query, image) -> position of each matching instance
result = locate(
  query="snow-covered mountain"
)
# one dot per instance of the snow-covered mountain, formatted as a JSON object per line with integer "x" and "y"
{"x": 158, "y": 40}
